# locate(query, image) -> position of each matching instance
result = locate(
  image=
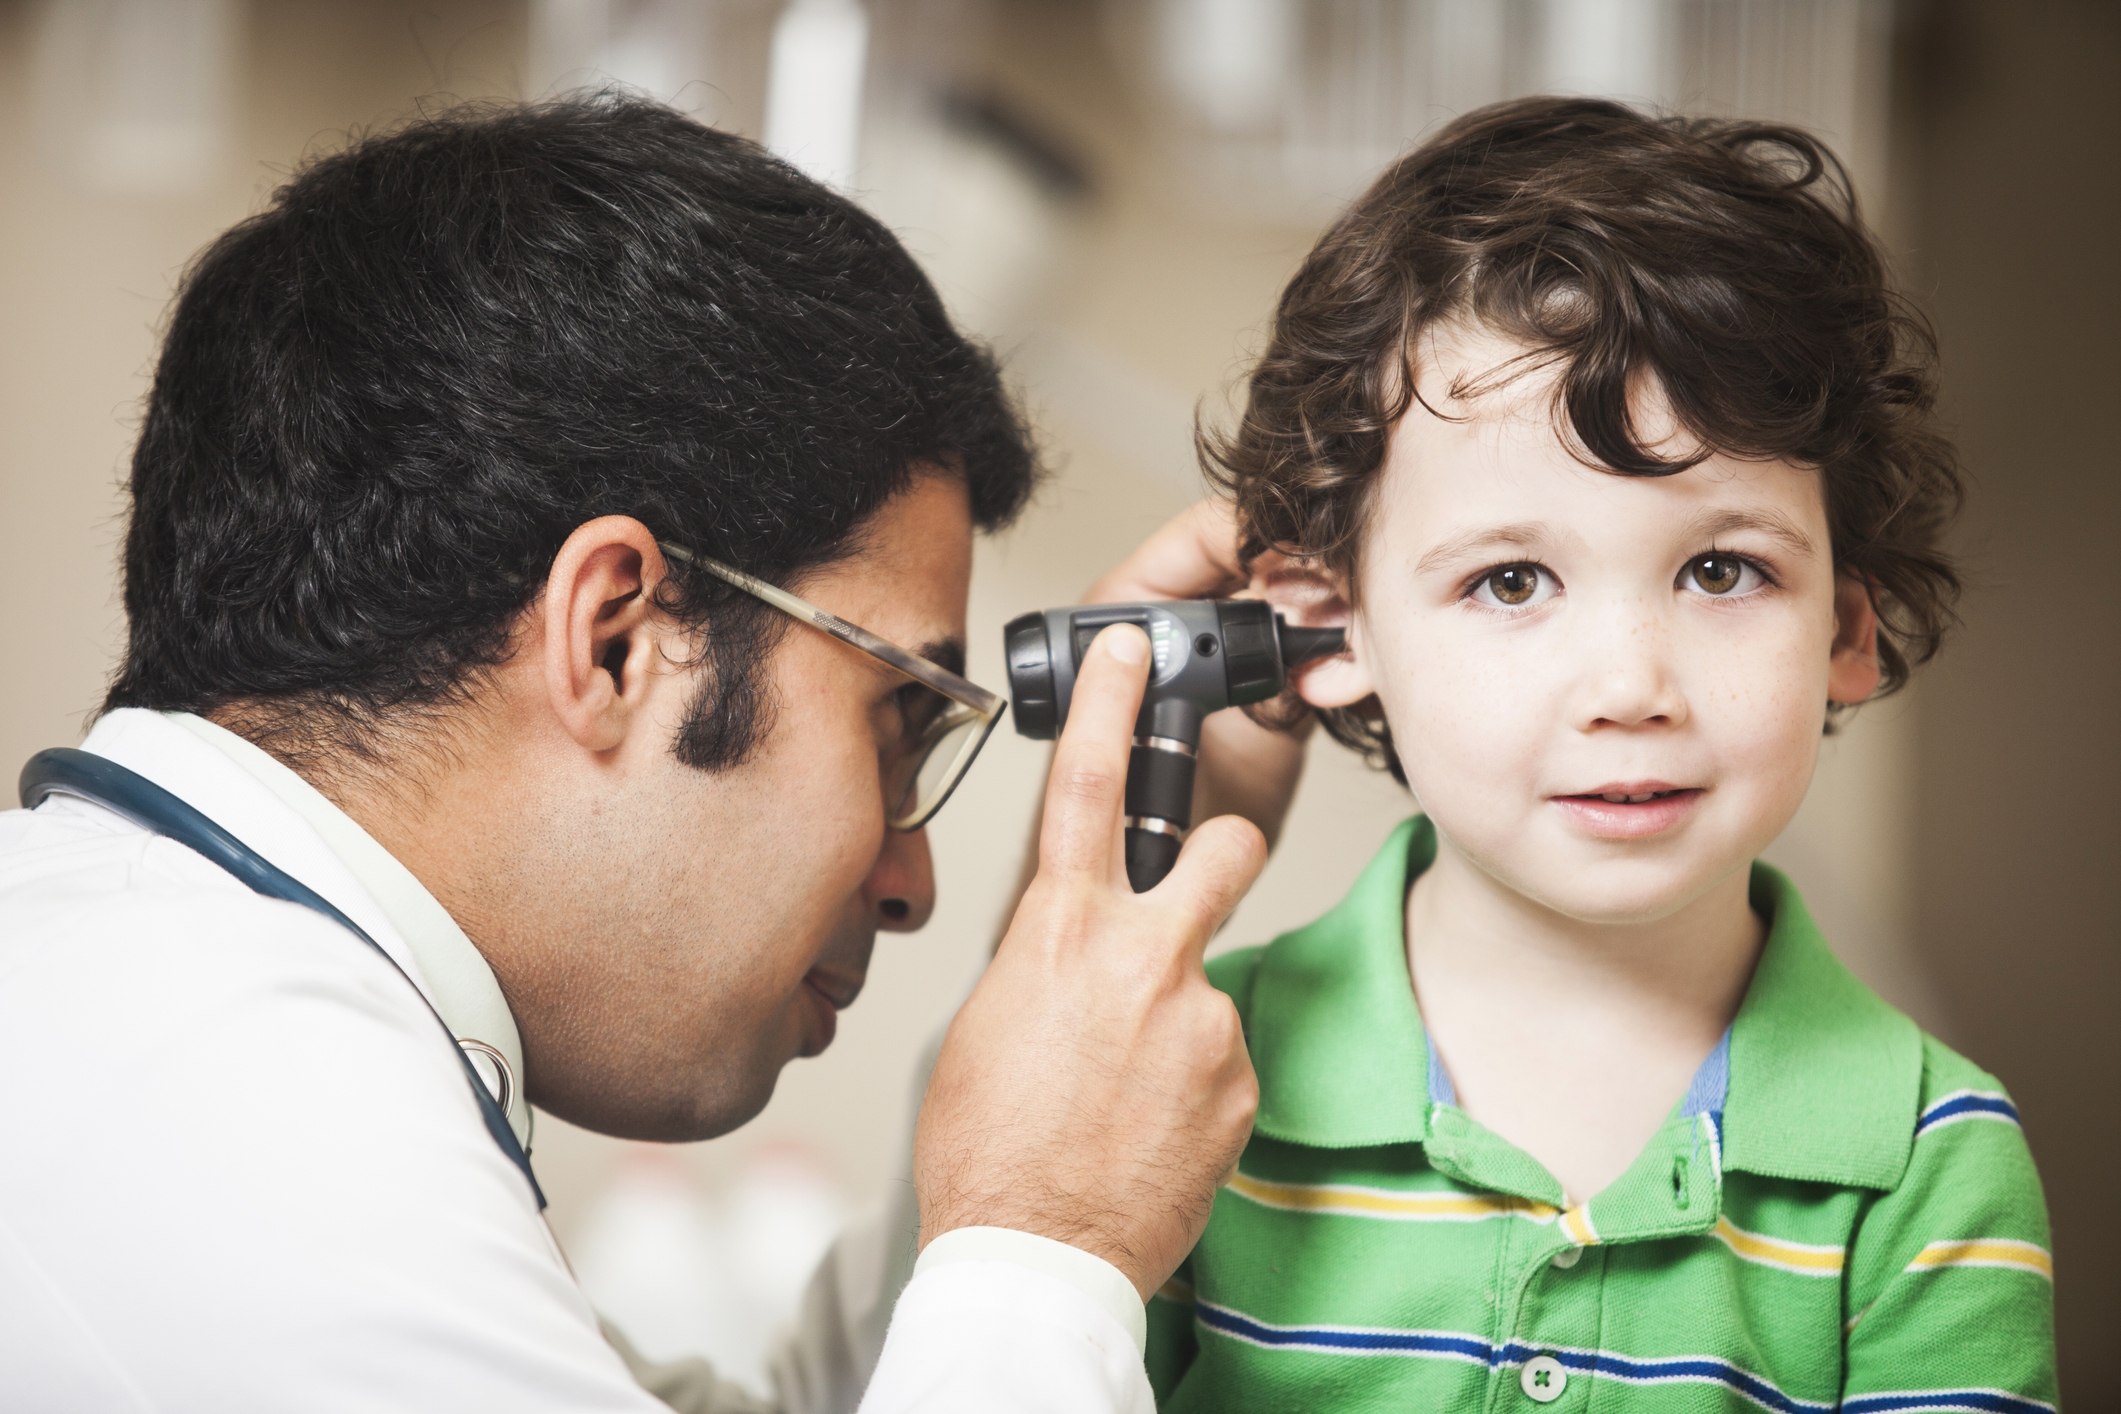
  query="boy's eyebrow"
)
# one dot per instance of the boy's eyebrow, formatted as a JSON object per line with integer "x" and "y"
{"x": 1525, "y": 535}
{"x": 1776, "y": 527}
{"x": 1533, "y": 535}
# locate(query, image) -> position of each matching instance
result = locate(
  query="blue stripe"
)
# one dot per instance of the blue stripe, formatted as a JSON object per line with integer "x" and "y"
{"x": 1441, "y": 1090}
{"x": 1959, "y": 1105}
{"x": 1988, "y": 1401}
{"x": 1354, "y": 1340}
{"x": 1704, "y": 1369}
{"x": 1712, "y": 1081}
{"x": 1357, "y": 1340}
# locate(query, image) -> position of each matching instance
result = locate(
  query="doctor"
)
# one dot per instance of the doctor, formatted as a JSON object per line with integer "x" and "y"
{"x": 479, "y": 744}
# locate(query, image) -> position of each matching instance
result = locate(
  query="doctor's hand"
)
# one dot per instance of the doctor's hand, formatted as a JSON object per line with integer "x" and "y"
{"x": 1244, "y": 768}
{"x": 1095, "y": 1088}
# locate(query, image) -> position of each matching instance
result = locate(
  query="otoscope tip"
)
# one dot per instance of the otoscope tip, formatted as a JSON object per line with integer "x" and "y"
{"x": 1301, "y": 645}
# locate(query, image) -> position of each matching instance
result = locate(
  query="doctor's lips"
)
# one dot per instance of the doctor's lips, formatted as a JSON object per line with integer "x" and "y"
{"x": 835, "y": 987}
{"x": 830, "y": 993}
{"x": 1630, "y": 809}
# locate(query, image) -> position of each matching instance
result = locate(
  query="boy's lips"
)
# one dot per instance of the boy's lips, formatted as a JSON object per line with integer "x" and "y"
{"x": 1628, "y": 810}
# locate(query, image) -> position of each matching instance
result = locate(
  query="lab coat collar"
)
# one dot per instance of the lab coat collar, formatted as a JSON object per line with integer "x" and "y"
{"x": 263, "y": 803}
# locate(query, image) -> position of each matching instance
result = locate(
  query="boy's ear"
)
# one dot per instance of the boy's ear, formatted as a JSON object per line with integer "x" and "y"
{"x": 1317, "y": 598}
{"x": 1852, "y": 673}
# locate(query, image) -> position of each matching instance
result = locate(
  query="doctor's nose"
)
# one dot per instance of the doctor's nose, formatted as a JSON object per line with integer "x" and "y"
{"x": 900, "y": 890}
{"x": 1625, "y": 678}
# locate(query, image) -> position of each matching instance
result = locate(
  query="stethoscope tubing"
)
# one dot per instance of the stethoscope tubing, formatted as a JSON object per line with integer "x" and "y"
{"x": 101, "y": 781}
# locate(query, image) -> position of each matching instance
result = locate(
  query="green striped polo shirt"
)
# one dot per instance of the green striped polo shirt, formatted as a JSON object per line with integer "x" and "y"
{"x": 1840, "y": 1214}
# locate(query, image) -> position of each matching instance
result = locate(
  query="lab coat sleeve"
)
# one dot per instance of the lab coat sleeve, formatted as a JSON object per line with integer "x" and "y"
{"x": 688, "y": 1386}
{"x": 824, "y": 1359}
{"x": 1074, "y": 1325}
{"x": 984, "y": 1336}
{"x": 986, "y": 1304}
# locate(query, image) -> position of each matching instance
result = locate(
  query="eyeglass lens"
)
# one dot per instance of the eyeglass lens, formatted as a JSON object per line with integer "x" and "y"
{"x": 936, "y": 734}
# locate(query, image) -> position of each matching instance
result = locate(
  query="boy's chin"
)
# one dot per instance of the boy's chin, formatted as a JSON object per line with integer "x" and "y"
{"x": 1593, "y": 885}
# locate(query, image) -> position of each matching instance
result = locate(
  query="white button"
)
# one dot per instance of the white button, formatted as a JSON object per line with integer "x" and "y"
{"x": 1568, "y": 1257}
{"x": 1543, "y": 1379}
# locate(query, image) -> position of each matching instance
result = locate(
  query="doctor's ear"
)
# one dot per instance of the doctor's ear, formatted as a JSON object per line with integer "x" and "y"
{"x": 597, "y": 633}
{"x": 1312, "y": 597}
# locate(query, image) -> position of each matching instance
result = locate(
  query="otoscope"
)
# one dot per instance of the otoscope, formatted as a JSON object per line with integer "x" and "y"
{"x": 1204, "y": 655}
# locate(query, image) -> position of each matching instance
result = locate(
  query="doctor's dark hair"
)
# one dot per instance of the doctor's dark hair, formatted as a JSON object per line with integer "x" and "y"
{"x": 1724, "y": 260}
{"x": 385, "y": 401}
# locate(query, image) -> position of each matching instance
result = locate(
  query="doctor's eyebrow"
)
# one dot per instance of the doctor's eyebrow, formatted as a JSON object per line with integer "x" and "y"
{"x": 946, "y": 653}
{"x": 1709, "y": 525}
{"x": 1532, "y": 536}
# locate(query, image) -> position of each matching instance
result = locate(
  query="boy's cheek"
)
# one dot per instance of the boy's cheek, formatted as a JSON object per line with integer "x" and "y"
{"x": 1470, "y": 731}
{"x": 1769, "y": 746}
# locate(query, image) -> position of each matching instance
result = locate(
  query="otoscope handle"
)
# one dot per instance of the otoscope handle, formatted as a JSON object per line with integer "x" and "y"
{"x": 1150, "y": 856}
{"x": 1159, "y": 806}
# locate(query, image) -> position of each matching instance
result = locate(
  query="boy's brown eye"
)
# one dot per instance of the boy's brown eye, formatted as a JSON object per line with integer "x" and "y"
{"x": 1513, "y": 584}
{"x": 1718, "y": 574}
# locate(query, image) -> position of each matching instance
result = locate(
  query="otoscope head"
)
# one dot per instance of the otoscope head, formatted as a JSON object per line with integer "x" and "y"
{"x": 1205, "y": 655}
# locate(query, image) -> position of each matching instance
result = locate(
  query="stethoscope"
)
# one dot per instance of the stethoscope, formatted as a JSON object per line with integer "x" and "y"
{"x": 104, "y": 782}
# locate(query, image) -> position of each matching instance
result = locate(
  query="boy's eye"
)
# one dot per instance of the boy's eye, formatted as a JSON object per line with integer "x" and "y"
{"x": 1514, "y": 583}
{"x": 1720, "y": 575}
{"x": 1514, "y": 586}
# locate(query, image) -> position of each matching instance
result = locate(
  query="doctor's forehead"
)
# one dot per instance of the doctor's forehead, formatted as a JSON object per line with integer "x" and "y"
{"x": 909, "y": 569}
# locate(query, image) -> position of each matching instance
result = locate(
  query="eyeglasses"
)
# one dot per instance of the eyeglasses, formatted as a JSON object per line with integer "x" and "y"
{"x": 944, "y": 719}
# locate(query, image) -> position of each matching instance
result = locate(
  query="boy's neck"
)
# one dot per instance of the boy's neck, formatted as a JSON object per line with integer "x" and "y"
{"x": 1464, "y": 921}
{"x": 1571, "y": 1039}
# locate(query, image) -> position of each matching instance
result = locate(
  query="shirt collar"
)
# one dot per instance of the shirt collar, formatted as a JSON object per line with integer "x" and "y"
{"x": 1336, "y": 1040}
{"x": 1826, "y": 1078}
{"x": 263, "y": 803}
{"x": 1819, "y": 1079}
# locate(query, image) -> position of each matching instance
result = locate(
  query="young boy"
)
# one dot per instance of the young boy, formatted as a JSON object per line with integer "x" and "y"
{"x": 1614, "y": 453}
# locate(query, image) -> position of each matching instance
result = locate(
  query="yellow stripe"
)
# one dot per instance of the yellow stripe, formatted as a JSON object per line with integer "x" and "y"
{"x": 1576, "y": 1222}
{"x": 1347, "y": 1200}
{"x": 1985, "y": 1252}
{"x": 1803, "y": 1258}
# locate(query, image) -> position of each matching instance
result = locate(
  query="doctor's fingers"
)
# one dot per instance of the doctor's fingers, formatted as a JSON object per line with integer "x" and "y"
{"x": 1080, "y": 836}
{"x": 1194, "y": 555}
{"x": 1219, "y": 862}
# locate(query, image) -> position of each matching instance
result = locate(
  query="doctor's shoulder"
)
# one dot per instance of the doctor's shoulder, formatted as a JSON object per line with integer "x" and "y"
{"x": 88, "y": 900}
{"x": 233, "y": 1140}
{"x": 137, "y": 975}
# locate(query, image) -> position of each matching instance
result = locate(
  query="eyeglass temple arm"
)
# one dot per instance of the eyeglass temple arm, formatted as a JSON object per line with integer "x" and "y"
{"x": 911, "y": 664}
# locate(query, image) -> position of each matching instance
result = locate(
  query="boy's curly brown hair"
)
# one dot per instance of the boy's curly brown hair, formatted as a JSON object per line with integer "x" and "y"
{"x": 1725, "y": 259}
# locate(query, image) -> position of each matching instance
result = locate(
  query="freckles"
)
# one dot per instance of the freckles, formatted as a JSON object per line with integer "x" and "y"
{"x": 1472, "y": 716}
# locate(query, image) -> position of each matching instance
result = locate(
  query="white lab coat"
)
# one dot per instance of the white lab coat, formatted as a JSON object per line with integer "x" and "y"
{"x": 240, "y": 1169}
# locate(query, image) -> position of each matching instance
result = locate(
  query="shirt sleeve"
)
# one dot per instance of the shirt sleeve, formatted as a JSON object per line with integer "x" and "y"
{"x": 986, "y": 1335}
{"x": 1951, "y": 1282}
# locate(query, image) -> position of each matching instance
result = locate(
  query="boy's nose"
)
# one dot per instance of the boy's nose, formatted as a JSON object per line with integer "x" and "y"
{"x": 1625, "y": 678}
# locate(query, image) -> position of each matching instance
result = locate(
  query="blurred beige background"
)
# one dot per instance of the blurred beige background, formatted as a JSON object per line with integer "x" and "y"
{"x": 1113, "y": 194}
